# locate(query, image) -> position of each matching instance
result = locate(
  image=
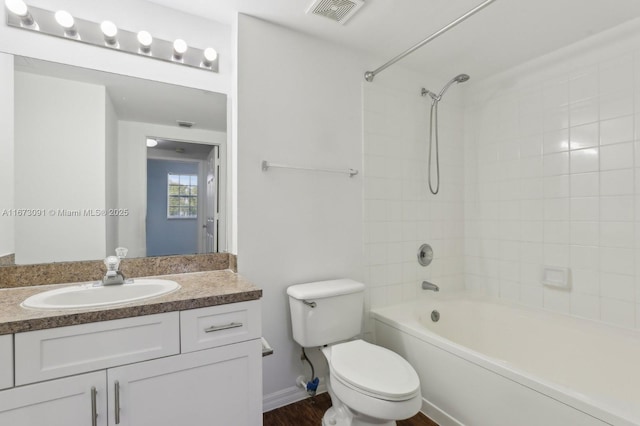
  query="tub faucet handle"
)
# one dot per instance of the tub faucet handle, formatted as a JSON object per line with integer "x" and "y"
{"x": 426, "y": 285}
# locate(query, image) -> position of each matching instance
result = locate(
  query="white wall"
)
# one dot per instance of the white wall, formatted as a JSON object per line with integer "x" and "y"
{"x": 400, "y": 213}
{"x": 111, "y": 174}
{"x": 6, "y": 157}
{"x": 552, "y": 168}
{"x": 299, "y": 102}
{"x": 132, "y": 175}
{"x": 232, "y": 151}
{"x": 49, "y": 174}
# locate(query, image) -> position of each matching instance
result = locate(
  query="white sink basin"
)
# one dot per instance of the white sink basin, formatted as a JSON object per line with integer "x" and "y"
{"x": 91, "y": 295}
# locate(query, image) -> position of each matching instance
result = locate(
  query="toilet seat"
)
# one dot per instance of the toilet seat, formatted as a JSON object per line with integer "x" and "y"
{"x": 374, "y": 371}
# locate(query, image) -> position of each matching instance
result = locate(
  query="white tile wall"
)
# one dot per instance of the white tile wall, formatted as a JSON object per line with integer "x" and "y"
{"x": 399, "y": 212}
{"x": 560, "y": 187}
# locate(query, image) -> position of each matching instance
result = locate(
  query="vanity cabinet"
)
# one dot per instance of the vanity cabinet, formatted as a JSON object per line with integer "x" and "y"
{"x": 132, "y": 372}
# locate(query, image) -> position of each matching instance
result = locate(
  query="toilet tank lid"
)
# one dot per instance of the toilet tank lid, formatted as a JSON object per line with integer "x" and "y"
{"x": 322, "y": 289}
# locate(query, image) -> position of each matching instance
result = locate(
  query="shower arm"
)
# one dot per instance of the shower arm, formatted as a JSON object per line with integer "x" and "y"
{"x": 370, "y": 75}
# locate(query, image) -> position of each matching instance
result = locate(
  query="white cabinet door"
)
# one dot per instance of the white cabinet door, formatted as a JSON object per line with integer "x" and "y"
{"x": 221, "y": 386}
{"x": 62, "y": 402}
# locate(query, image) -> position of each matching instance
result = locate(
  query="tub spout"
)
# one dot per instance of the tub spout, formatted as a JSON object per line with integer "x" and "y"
{"x": 426, "y": 285}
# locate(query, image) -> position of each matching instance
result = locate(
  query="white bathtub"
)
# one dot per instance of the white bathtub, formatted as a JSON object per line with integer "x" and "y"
{"x": 492, "y": 363}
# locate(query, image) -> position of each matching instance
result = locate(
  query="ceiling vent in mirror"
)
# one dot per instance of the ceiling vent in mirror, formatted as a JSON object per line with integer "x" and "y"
{"x": 336, "y": 10}
{"x": 187, "y": 124}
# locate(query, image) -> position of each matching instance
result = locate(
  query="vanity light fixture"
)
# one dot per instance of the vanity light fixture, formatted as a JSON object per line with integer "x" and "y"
{"x": 107, "y": 35}
{"x": 180, "y": 47}
{"x": 21, "y": 10}
{"x": 110, "y": 32}
{"x": 151, "y": 143}
{"x": 66, "y": 21}
{"x": 145, "y": 40}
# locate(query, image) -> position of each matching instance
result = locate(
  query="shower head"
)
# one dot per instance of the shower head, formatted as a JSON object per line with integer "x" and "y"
{"x": 460, "y": 78}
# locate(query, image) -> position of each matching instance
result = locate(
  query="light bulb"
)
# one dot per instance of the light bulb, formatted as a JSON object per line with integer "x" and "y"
{"x": 209, "y": 56}
{"x": 66, "y": 21}
{"x": 21, "y": 10}
{"x": 151, "y": 142}
{"x": 110, "y": 31}
{"x": 64, "y": 18}
{"x": 179, "y": 48}
{"x": 145, "y": 40}
{"x": 17, "y": 7}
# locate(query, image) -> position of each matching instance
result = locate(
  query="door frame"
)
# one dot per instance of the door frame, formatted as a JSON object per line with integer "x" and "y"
{"x": 222, "y": 238}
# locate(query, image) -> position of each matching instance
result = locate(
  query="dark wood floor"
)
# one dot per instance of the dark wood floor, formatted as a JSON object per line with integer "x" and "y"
{"x": 309, "y": 412}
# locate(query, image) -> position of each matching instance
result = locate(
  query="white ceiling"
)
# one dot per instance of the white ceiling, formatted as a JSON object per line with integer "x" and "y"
{"x": 186, "y": 149}
{"x": 505, "y": 34}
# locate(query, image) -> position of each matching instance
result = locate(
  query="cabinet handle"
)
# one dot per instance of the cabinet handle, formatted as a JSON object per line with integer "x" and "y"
{"x": 117, "y": 398}
{"x": 94, "y": 411}
{"x": 222, "y": 327}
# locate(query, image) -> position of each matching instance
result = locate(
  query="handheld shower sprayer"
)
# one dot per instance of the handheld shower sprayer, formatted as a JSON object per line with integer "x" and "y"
{"x": 433, "y": 128}
{"x": 460, "y": 78}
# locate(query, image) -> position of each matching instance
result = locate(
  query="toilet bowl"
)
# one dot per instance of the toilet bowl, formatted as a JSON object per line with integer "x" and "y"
{"x": 369, "y": 385}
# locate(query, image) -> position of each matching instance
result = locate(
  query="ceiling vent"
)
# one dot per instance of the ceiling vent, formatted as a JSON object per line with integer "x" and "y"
{"x": 336, "y": 10}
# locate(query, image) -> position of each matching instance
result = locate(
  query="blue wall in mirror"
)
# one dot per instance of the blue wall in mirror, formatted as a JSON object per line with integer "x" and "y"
{"x": 167, "y": 236}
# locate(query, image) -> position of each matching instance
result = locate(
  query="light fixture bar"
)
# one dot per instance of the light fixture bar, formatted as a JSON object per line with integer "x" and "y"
{"x": 127, "y": 41}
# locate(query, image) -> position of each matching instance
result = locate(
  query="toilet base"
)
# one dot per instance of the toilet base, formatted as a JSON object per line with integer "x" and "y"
{"x": 333, "y": 418}
{"x": 340, "y": 415}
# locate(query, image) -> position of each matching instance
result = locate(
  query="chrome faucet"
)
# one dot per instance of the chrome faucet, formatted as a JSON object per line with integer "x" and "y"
{"x": 426, "y": 285}
{"x": 114, "y": 275}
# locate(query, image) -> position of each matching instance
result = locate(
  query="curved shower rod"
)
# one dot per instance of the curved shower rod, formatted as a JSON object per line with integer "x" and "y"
{"x": 369, "y": 75}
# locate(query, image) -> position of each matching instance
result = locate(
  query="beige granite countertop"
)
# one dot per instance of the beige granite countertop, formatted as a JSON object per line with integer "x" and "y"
{"x": 198, "y": 290}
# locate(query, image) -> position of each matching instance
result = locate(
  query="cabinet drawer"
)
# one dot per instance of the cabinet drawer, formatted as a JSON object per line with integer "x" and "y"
{"x": 6, "y": 361}
{"x": 57, "y": 352}
{"x": 219, "y": 325}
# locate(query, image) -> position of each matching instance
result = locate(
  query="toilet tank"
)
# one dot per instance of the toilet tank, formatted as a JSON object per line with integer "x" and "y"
{"x": 326, "y": 312}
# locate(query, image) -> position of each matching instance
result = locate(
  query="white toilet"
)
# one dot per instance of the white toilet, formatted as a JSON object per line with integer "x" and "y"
{"x": 368, "y": 384}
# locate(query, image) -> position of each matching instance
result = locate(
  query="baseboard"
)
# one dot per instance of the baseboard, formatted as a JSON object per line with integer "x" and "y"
{"x": 437, "y": 415}
{"x": 287, "y": 396}
{"x": 294, "y": 394}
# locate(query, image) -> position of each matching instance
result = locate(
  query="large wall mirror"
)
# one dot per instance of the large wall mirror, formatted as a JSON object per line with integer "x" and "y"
{"x": 104, "y": 161}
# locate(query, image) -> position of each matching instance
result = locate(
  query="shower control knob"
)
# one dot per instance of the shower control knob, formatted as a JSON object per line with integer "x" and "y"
{"x": 425, "y": 255}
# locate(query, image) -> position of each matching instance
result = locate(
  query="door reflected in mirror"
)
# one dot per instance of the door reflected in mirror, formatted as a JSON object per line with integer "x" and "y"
{"x": 182, "y": 197}
{"x": 87, "y": 179}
